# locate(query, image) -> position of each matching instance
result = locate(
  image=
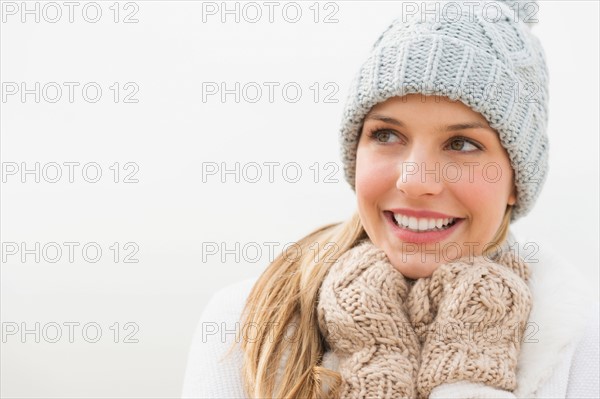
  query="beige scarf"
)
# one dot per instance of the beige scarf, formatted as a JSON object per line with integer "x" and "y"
{"x": 397, "y": 337}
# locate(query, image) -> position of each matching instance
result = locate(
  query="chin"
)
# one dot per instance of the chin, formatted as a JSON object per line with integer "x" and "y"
{"x": 416, "y": 271}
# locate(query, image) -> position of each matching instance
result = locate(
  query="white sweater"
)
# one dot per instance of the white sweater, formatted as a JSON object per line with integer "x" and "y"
{"x": 559, "y": 356}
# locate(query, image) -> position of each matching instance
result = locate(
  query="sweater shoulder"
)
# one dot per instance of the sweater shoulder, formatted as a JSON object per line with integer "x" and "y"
{"x": 561, "y": 318}
{"x": 584, "y": 372}
{"x": 215, "y": 359}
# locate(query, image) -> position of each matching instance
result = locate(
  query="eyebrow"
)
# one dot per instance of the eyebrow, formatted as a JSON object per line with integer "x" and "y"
{"x": 448, "y": 128}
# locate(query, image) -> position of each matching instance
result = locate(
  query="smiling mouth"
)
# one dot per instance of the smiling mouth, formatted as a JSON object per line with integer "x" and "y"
{"x": 422, "y": 225}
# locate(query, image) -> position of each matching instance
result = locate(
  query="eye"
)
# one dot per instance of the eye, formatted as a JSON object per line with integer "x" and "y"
{"x": 463, "y": 144}
{"x": 383, "y": 136}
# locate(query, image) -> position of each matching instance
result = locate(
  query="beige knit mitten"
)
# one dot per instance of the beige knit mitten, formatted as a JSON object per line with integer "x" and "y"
{"x": 362, "y": 314}
{"x": 470, "y": 317}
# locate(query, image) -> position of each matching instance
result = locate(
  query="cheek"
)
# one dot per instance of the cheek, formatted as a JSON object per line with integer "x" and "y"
{"x": 374, "y": 181}
{"x": 374, "y": 175}
{"x": 484, "y": 191}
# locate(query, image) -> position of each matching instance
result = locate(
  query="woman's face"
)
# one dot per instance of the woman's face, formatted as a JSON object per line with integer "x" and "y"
{"x": 432, "y": 181}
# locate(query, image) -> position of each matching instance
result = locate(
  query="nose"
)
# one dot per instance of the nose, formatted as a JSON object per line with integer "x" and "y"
{"x": 419, "y": 175}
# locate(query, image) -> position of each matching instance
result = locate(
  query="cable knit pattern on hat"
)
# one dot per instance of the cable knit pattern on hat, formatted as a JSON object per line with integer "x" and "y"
{"x": 496, "y": 66}
{"x": 470, "y": 317}
{"x": 362, "y": 314}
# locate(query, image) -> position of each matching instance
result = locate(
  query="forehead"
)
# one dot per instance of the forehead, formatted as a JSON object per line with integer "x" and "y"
{"x": 435, "y": 108}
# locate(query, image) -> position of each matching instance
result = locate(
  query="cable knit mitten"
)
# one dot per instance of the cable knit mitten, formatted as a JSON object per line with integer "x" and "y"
{"x": 470, "y": 317}
{"x": 362, "y": 314}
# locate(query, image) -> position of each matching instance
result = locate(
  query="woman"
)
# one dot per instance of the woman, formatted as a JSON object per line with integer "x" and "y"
{"x": 423, "y": 292}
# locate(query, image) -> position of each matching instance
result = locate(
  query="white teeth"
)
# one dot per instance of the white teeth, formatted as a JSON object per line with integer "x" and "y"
{"x": 422, "y": 224}
{"x": 412, "y": 223}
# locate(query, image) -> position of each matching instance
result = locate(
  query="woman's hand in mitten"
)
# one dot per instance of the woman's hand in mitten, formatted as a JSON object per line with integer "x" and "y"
{"x": 469, "y": 316}
{"x": 362, "y": 314}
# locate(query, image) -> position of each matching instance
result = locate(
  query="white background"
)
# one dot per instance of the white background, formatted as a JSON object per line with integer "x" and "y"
{"x": 170, "y": 133}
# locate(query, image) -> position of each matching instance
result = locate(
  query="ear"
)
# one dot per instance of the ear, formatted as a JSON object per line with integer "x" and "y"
{"x": 512, "y": 198}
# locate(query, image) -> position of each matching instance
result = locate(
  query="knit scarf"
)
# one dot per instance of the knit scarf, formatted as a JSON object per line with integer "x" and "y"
{"x": 377, "y": 321}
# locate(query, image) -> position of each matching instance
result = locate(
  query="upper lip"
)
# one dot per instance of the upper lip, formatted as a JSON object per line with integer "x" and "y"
{"x": 422, "y": 214}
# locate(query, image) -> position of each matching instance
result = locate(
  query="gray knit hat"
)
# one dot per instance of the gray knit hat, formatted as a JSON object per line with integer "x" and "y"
{"x": 480, "y": 53}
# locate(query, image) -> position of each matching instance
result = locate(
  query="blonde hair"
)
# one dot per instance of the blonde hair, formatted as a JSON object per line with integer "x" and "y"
{"x": 285, "y": 295}
{"x": 501, "y": 233}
